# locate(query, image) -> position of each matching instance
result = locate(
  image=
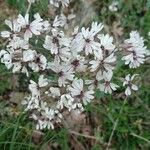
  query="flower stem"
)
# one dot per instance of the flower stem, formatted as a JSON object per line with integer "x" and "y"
{"x": 115, "y": 124}
{"x": 28, "y": 9}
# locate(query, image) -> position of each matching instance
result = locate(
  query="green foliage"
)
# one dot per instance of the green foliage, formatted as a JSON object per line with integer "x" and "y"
{"x": 17, "y": 134}
{"x": 40, "y": 6}
{"x": 4, "y": 76}
{"x": 19, "y": 4}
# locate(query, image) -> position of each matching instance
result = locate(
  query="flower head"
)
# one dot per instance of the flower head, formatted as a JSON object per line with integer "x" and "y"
{"x": 135, "y": 50}
{"x": 108, "y": 86}
{"x": 128, "y": 82}
{"x": 79, "y": 93}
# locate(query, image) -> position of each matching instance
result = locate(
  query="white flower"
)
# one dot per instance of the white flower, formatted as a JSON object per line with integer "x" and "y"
{"x": 33, "y": 87}
{"x": 130, "y": 86}
{"x": 103, "y": 66}
{"x": 39, "y": 63}
{"x": 135, "y": 49}
{"x": 55, "y": 41}
{"x": 16, "y": 67}
{"x": 78, "y": 63}
{"x": 114, "y": 6}
{"x": 63, "y": 20}
{"x": 52, "y": 44}
{"x": 96, "y": 28}
{"x": 65, "y": 101}
{"x": 63, "y": 2}
{"x": 14, "y": 27}
{"x": 42, "y": 81}
{"x": 47, "y": 117}
{"x": 106, "y": 43}
{"x": 87, "y": 41}
{"x": 13, "y": 59}
{"x": 6, "y": 58}
{"x": 17, "y": 42}
{"x": 63, "y": 54}
{"x": 31, "y": 103}
{"x": 54, "y": 92}
{"x": 92, "y": 84}
{"x": 78, "y": 92}
{"x": 70, "y": 103}
{"x": 46, "y": 25}
{"x": 29, "y": 55}
{"x": 57, "y": 22}
{"x": 107, "y": 86}
{"x": 44, "y": 124}
{"x": 64, "y": 72}
{"x": 35, "y": 27}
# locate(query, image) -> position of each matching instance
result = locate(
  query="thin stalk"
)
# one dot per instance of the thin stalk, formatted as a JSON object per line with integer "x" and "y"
{"x": 140, "y": 137}
{"x": 29, "y": 7}
{"x": 115, "y": 124}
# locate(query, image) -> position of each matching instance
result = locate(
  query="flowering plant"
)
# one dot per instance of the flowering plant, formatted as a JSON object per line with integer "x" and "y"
{"x": 76, "y": 66}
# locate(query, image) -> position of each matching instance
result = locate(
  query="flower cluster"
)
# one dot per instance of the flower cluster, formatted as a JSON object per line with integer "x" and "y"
{"x": 77, "y": 64}
{"x": 135, "y": 50}
{"x": 19, "y": 54}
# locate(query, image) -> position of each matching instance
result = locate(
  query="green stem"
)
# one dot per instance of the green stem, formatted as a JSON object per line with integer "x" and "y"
{"x": 115, "y": 124}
